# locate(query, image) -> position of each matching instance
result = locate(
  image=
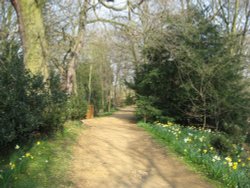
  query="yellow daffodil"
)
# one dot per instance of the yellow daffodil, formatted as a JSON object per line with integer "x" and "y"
{"x": 27, "y": 154}
{"x": 204, "y": 151}
{"x": 235, "y": 165}
{"x": 228, "y": 159}
{"x": 17, "y": 147}
{"x": 38, "y": 143}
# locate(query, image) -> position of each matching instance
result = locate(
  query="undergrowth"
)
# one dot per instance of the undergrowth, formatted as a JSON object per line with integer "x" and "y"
{"x": 43, "y": 163}
{"x": 231, "y": 167}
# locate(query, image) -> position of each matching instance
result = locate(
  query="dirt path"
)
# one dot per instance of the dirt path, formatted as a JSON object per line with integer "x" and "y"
{"x": 114, "y": 153}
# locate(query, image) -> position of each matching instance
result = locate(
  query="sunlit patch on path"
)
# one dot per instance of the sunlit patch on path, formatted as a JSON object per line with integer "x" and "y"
{"x": 114, "y": 153}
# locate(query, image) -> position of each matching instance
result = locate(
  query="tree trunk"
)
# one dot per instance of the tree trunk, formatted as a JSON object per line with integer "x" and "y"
{"x": 236, "y": 13}
{"x": 102, "y": 96}
{"x": 71, "y": 78}
{"x": 89, "y": 84}
{"x": 109, "y": 102}
{"x": 204, "y": 113}
{"x": 71, "y": 73}
{"x": 32, "y": 33}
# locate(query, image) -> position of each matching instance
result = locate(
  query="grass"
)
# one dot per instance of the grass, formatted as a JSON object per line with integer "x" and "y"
{"x": 231, "y": 169}
{"x": 42, "y": 164}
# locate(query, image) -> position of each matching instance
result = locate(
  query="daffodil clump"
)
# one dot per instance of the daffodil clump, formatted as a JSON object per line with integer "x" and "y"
{"x": 231, "y": 168}
{"x": 42, "y": 163}
{"x": 8, "y": 172}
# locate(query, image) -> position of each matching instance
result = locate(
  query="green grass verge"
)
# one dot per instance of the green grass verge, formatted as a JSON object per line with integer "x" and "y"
{"x": 194, "y": 147}
{"x": 42, "y": 164}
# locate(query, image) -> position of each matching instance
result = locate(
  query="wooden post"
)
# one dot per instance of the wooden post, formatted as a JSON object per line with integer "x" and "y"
{"x": 90, "y": 112}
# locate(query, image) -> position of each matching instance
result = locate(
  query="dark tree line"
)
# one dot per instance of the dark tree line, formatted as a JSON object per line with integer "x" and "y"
{"x": 195, "y": 74}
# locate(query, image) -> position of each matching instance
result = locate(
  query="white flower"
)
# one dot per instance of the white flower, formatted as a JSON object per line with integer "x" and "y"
{"x": 216, "y": 158}
{"x": 201, "y": 139}
{"x": 187, "y": 140}
{"x": 17, "y": 147}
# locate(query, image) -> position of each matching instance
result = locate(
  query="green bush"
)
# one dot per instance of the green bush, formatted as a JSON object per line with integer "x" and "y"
{"x": 145, "y": 109}
{"x": 54, "y": 113}
{"x": 27, "y": 103}
{"x": 165, "y": 119}
{"x": 236, "y": 132}
{"x": 221, "y": 143}
{"x": 76, "y": 107}
{"x": 130, "y": 100}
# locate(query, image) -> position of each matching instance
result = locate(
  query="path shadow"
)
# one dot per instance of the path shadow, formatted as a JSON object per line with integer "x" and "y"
{"x": 126, "y": 114}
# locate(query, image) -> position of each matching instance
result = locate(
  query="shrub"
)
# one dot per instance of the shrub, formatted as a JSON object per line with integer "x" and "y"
{"x": 76, "y": 107}
{"x": 27, "y": 103}
{"x": 130, "y": 100}
{"x": 145, "y": 109}
{"x": 54, "y": 112}
{"x": 165, "y": 119}
{"x": 220, "y": 143}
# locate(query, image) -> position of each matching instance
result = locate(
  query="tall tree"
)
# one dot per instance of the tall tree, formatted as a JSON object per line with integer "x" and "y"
{"x": 31, "y": 27}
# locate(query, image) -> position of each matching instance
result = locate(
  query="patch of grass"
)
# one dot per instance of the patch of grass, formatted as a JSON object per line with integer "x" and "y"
{"x": 44, "y": 163}
{"x": 231, "y": 169}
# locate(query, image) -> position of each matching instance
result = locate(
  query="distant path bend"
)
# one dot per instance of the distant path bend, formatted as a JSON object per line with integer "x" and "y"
{"x": 114, "y": 153}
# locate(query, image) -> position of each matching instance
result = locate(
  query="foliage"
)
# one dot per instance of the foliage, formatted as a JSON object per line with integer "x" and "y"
{"x": 221, "y": 143}
{"x": 76, "y": 107}
{"x": 130, "y": 100}
{"x": 54, "y": 112}
{"x": 103, "y": 114}
{"x": 83, "y": 87}
{"x": 195, "y": 75}
{"x": 27, "y": 103}
{"x": 43, "y": 163}
{"x": 145, "y": 109}
{"x": 231, "y": 167}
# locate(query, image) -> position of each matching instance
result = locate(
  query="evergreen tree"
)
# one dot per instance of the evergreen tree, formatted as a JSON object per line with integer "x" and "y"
{"x": 194, "y": 75}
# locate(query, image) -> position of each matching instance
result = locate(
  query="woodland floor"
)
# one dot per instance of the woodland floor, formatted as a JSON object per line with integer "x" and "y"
{"x": 113, "y": 152}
